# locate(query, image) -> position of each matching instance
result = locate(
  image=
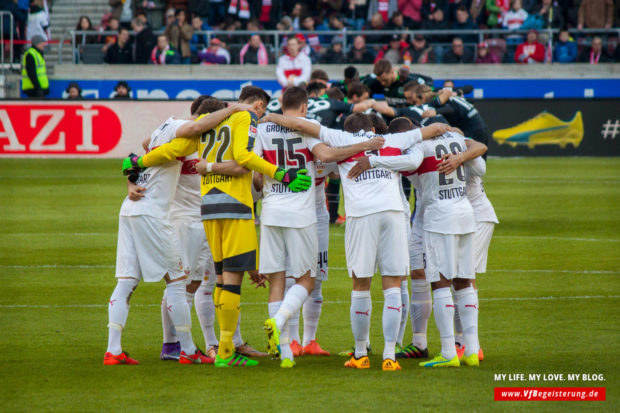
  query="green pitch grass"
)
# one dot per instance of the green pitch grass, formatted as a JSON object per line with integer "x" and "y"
{"x": 549, "y": 304}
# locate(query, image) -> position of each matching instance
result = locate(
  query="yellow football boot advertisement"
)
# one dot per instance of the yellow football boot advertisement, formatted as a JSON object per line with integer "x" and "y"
{"x": 543, "y": 129}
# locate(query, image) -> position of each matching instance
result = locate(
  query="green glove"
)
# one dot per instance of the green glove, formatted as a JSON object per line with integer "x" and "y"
{"x": 132, "y": 164}
{"x": 295, "y": 179}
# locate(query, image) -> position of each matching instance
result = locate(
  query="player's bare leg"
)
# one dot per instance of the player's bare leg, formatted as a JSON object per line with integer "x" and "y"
{"x": 118, "y": 309}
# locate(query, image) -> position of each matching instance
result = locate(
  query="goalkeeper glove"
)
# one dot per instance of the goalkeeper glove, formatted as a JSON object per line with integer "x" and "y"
{"x": 295, "y": 179}
{"x": 132, "y": 164}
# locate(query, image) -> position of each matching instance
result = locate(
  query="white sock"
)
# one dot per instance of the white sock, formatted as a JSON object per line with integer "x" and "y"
{"x": 458, "y": 328}
{"x": 293, "y": 300}
{"x": 443, "y": 307}
{"x": 392, "y": 308}
{"x": 293, "y": 322}
{"x": 285, "y": 343}
{"x": 189, "y": 297}
{"x": 273, "y": 308}
{"x": 404, "y": 313}
{"x": 118, "y": 309}
{"x": 420, "y": 312}
{"x": 361, "y": 310}
{"x": 180, "y": 316}
{"x": 166, "y": 323}
{"x": 293, "y": 327}
{"x": 312, "y": 313}
{"x": 237, "y": 339}
{"x": 206, "y": 313}
{"x": 468, "y": 308}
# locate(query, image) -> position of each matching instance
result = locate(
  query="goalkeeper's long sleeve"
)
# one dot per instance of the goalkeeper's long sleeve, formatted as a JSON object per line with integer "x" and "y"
{"x": 243, "y": 143}
{"x": 170, "y": 151}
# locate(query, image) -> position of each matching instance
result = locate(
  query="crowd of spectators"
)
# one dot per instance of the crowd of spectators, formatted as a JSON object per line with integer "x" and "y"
{"x": 185, "y": 21}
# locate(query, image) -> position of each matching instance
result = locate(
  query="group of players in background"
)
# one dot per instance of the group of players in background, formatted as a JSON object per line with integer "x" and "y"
{"x": 189, "y": 218}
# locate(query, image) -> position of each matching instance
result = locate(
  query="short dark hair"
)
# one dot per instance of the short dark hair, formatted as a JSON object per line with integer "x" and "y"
{"x": 334, "y": 93}
{"x": 351, "y": 72}
{"x": 357, "y": 89}
{"x": 319, "y": 74}
{"x": 123, "y": 29}
{"x": 293, "y": 98}
{"x": 251, "y": 94}
{"x": 196, "y": 103}
{"x": 381, "y": 67}
{"x": 400, "y": 124}
{"x": 315, "y": 88}
{"x": 210, "y": 105}
{"x": 462, "y": 7}
{"x": 378, "y": 123}
{"x": 358, "y": 122}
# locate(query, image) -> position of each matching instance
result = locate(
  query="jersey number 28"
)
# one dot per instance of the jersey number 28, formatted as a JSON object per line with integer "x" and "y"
{"x": 441, "y": 150}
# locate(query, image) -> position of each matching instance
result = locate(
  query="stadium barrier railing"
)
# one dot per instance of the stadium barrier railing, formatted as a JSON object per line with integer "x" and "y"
{"x": 276, "y": 36}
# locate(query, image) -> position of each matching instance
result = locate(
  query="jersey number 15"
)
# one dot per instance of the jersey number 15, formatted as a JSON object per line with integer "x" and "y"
{"x": 286, "y": 152}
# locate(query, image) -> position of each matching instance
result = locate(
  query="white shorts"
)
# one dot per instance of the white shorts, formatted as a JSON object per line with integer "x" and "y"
{"x": 482, "y": 240}
{"x": 416, "y": 246}
{"x": 379, "y": 238}
{"x": 449, "y": 254}
{"x": 147, "y": 248}
{"x": 277, "y": 244}
{"x": 194, "y": 246}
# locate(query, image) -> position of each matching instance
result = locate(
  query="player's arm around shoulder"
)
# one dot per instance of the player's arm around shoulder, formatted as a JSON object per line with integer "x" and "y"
{"x": 436, "y": 129}
{"x": 244, "y": 133}
{"x": 295, "y": 123}
{"x": 452, "y": 161}
{"x": 327, "y": 154}
{"x": 170, "y": 151}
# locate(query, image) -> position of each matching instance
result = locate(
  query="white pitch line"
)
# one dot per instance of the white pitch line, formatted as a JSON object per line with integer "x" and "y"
{"x": 62, "y": 234}
{"x": 543, "y": 237}
{"x": 96, "y": 234}
{"x": 547, "y": 298}
{"x": 63, "y": 266}
{"x": 58, "y": 266}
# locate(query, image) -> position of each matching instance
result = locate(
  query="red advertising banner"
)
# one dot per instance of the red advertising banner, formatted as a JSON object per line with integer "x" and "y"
{"x": 80, "y": 129}
{"x": 549, "y": 393}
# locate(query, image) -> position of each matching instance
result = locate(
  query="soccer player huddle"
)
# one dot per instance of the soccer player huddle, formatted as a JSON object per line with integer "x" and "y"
{"x": 189, "y": 219}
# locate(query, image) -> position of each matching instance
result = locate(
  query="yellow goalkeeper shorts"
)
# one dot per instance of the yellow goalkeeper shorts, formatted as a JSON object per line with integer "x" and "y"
{"x": 233, "y": 244}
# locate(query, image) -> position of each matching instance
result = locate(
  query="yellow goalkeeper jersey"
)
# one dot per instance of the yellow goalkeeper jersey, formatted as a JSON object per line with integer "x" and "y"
{"x": 223, "y": 196}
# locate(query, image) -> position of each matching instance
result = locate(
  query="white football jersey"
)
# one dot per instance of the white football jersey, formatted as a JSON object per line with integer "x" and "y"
{"x": 322, "y": 170}
{"x": 286, "y": 148}
{"x": 186, "y": 202}
{"x": 160, "y": 181}
{"x": 446, "y": 208}
{"x": 376, "y": 189}
{"x": 483, "y": 210}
